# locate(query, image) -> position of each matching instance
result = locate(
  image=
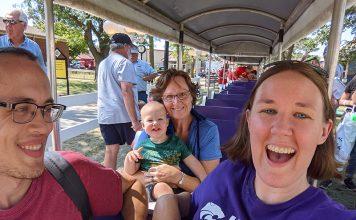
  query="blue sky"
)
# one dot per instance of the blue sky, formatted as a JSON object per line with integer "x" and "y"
{"x": 6, "y": 5}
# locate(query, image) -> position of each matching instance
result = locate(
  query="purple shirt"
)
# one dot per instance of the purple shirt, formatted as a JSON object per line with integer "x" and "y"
{"x": 229, "y": 193}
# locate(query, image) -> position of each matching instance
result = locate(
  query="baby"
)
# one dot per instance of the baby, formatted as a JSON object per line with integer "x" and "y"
{"x": 159, "y": 149}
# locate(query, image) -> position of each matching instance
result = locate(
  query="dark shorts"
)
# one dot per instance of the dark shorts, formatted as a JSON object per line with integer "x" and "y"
{"x": 142, "y": 95}
{"x": 117, "y": 133}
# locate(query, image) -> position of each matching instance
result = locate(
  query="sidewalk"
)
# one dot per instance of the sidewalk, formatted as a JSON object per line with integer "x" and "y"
{"x": 76, "y": 115}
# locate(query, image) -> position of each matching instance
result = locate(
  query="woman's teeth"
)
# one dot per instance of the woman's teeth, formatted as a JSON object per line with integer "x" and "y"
{"x": 280, "y": 150}
{"x": 32, "y": 147}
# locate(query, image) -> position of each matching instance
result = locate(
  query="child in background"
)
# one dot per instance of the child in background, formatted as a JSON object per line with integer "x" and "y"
{"x": 158, "y": 149}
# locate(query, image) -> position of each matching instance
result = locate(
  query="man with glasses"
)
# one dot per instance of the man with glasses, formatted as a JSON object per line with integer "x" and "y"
{"x": 27, "y": 113}
{"x": 16, "y": 23}
{"x": 118, "y": 114}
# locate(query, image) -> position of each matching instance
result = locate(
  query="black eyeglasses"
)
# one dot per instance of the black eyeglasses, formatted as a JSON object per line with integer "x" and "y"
{"x": 25, "y": 112}
{"x": 317, "y": 69}
{"x": 11, "y": 21}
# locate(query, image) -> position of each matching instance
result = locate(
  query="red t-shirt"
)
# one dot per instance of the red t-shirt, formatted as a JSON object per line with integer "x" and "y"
{"x": 240, "y": 72}
{"x": 45, "y": 199}
{"x": 221, "y": 77}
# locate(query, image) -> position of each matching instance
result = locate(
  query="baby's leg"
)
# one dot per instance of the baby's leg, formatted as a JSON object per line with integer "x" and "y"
{"x": 161, "y": 189}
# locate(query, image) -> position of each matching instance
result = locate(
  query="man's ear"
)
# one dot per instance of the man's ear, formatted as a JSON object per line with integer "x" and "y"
{"x": 327, "y": 127}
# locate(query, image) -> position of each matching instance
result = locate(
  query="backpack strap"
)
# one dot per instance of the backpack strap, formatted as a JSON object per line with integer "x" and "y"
{"x": 66, "y": 176}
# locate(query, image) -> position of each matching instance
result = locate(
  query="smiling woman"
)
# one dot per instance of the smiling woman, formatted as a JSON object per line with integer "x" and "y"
{"x": 176, "y": 91}
{"x": 285, "y": 136}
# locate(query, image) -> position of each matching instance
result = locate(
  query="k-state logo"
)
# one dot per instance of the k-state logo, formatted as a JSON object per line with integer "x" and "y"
{"x": 212, "y": 211}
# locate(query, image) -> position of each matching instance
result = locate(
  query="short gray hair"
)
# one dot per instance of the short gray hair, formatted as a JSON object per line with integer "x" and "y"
{"x": 115, "y": 46}
{"x": 22, "y": 15}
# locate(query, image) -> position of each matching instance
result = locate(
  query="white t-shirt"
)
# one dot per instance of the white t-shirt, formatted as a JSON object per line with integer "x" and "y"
{"x": 111, "y": 107}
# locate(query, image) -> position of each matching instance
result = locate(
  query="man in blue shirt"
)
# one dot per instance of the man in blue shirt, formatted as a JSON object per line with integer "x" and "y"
{"x": 144, "y": 73}
{"x": 16, "y": 23}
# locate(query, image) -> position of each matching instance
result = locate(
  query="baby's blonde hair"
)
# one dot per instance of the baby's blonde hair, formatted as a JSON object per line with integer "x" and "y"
{"x": 152, "y": 105}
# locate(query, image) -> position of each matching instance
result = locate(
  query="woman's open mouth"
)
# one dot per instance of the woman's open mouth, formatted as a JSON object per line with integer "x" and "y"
{"x": 279, "y": 154}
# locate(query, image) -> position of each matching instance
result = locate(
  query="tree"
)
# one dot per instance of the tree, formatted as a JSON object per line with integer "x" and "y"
{"x": 348, "y": 52}
{"x": 75, "y": 26}
{"x": 321, "y": 36}
{"x": 152, "y": 54}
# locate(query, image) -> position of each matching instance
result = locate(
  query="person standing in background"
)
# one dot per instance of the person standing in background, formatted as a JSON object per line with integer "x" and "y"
{"x": 118, "y": 114}
{"x": 15, "y": 24}
{"x": 144, "y": 73}
{"x": 348, "y": 98}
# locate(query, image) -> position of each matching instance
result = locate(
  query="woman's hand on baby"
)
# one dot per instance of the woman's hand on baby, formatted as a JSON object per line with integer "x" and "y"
{"x": 135, "y": 155}
{"x": 165, "y": 173}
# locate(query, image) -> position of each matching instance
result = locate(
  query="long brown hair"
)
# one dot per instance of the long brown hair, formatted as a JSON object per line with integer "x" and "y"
{"x": 323, "y": 164}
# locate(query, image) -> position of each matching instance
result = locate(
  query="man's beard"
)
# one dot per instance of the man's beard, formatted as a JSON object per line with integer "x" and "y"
{"x": 22, "y": 174}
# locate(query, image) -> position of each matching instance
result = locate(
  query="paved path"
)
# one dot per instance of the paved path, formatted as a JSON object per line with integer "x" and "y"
{"x": 76, "y": 115}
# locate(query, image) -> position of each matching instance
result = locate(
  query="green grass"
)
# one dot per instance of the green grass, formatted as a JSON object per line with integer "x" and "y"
{"x": 76, "y": 86}
{"x": 78, "y": 74}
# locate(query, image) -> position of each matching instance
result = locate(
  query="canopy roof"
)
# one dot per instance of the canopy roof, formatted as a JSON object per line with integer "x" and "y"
{"x": 244, "y": 29}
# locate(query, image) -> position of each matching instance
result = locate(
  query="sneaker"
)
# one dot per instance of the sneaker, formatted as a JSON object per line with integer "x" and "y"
{"x": 325, "y": 184}
{"x": 349, "y": 184}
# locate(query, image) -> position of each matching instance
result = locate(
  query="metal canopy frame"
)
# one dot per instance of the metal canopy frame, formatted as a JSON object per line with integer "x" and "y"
{"x": 235, "y": 9}
{"x": 200, "y": 20}
{"x": 237, "y": 26}
{"x": 288, "y": 21}
{"x": 243, "y": 35}
{"x": 245, "y": 41}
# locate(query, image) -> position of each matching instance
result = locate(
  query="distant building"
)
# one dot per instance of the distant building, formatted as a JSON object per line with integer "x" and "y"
{"x": 86, "y": 61}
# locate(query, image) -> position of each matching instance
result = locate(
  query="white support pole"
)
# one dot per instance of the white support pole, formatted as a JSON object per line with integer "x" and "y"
{"x": 209, "y": 73}
{"x": 332, "y": 57}
{"x": 197, "y": 61}
{"x": 180, "y": 57}
{"x": 180, "y": 54}
{"x": 334, "y": 41}
{"x": 214, "y": 80}
{"x": 224, "y": 73}
{"x": 51, "y": 66}
{"x": 280, "y": 42}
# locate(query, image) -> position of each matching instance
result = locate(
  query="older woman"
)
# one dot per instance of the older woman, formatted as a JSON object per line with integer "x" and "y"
{"x": 177, "y": 92}
{"x": 285, "y": 136}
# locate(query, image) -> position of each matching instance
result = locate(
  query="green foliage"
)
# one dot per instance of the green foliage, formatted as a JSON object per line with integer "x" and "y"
{"x": 321, "y": 36}
{"x": 348, "y": 52}
{"x": 80, "y": 29}
{"x": 350, "y": 19}
{"x": 187, "y": 58}
{"x": 73, "y": 37}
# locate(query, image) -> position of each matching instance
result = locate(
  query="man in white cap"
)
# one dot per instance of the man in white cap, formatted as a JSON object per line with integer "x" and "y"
{"x": 16, "y": 23}
{"x": 118, "y": 114}
{"x": 144, "y": 73}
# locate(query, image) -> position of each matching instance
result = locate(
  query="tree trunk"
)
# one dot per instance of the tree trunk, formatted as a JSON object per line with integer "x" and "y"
{"x": 193, "y": 68}
{"x": 152, "y": 51}
{"x": 177, "y": 47}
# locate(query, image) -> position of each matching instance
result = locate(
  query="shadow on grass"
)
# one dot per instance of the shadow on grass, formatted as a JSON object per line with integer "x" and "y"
{"x": 92, "y": 145}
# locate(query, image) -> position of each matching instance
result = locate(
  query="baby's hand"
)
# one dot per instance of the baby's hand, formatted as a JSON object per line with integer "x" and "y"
{"x": 135, "y": 155}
